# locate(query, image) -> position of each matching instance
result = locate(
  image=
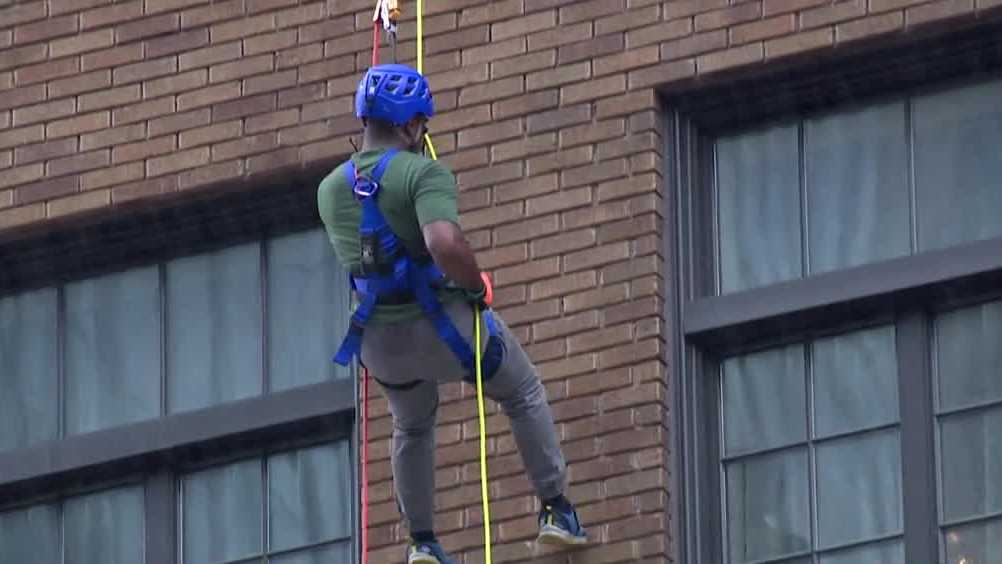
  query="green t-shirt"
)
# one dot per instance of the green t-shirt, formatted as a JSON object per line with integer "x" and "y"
{"x": 414, "y": 191}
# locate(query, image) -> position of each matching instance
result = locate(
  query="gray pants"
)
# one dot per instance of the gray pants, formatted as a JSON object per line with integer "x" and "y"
{"x": 408, "y": 352}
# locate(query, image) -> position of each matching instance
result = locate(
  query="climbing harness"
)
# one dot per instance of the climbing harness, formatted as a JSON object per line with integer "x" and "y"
{"x": 388, "y": 274}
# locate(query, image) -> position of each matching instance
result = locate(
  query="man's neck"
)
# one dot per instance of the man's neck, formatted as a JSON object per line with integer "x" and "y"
{"x": 371, "y": 142}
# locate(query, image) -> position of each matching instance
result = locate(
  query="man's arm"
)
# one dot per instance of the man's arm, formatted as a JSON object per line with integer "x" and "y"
{"x": 452, "y": 253}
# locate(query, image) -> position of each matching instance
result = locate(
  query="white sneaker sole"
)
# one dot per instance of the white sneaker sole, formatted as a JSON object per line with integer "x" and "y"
{"x": 558, "y": 537}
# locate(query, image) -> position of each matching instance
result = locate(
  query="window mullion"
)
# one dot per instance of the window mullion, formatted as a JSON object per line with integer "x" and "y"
{"x": 917, "y": 438}
{"x": 161, "y": 519}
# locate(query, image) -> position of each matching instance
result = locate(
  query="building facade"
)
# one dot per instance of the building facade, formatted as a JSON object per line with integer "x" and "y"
{"x": 754, "y": 248}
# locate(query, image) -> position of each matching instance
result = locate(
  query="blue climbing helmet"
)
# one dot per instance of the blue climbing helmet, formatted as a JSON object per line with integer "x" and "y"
{"x": 393, "y": 93}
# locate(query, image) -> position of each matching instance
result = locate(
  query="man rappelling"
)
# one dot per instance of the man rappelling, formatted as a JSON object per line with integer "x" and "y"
{"x": 392, "y": 218}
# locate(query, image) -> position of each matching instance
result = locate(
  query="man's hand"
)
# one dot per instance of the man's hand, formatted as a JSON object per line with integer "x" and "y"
{"x": 451, "y": 252}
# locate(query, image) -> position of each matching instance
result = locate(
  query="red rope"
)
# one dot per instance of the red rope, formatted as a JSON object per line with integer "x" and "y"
{"x": 365, "y": 465}
{"x": 375, "y": 44}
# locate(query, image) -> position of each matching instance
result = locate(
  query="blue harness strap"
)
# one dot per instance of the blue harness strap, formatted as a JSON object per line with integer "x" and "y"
{"x": 406, "y": 277}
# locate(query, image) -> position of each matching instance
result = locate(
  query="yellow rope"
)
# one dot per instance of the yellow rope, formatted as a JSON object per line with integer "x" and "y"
{"x": 479, "y": 354}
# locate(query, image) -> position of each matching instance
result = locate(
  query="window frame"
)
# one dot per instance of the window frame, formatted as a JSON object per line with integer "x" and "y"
{"x": 906, "y": 291}
{"x": 157, "y": 451}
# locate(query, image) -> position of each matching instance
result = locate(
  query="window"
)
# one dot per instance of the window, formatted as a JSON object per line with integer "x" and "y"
{"x": 167, "y": 338}
{"x": 287, "y": 507}
{"x": 839, "y": 396}
{"x": 105, "y": 526}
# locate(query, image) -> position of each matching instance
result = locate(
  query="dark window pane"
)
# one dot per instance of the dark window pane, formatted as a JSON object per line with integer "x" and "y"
{"x": 969, "y": 356}
{"x": 105, "y": 527}
{"x": 30, "y": 536}
{"x": 768, "y": 508}
{"x": 892, "y": 552}
{"x": 759, "y": 200}
{"x": 308, "y": 310}
{"x": 112, "y": 350}
{"x": 28, "y": 369}
{"x": 958, "y": 165}
{"x": 764, "y": 400}
{"x": 326, "y": 555}
{"x": 975, "y": 544}
{"x": 972, "y": 463}
{"x": 310, "y": 496}
{"x": 223, "y": 512}
{"x": 859, "y": 488}
{"x": 857, "y": 188}
{"x": 214, "y": 323}
{"x": 855, "y": 381}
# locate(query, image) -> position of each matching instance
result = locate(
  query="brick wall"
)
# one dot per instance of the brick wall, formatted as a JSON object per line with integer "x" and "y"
{"x": 549, "y": 117}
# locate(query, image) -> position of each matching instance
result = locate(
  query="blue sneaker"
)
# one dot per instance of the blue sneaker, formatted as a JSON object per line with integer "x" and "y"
{"x": 427, "y": 553}
{"x": 560, "y": 527}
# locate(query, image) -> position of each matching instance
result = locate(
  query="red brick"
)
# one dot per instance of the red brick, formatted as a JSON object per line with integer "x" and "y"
{"x": 729, "y": 16}
{"x": 326, "y": 68}
{"x": 459, "y": 119}
{"x": 591, "y": 48}
{"x": 456, "y": 78}
{"x": 590, "y": 10}
{"x": 111, "y": 57}
{"x": 178, "y": 161}
{"x": 867, "y": 27}
{"x": 625, "y": 104}
{"x": 938, "y": 10}
{"x": 527, "y": 104}
{"x": 21, "y": 136}
{"x": 44, "y": 151}
{"x": 64, "y": 6}
{"x": 764, "y": 29}
{"x": 47, "y": 71}
{"x": 682, "y": 8}
{"x": 240, "y": 68}
{"x": 491, "y": 175}
{"x": 662, "y": 74}
{"x": 208, "y": 95}
{"x": 526, "y": 187}
{"x": 14, "y": 58}
{"x": 304, "y": 133}
{"x": 271, "y": 121}
{"x": 155, "y": 6}
{"x": 14, "y": 217}
{"x": 658, "y": 33}
{"x": 526, "y": 230}
{"x": 176, "y": 43}
{"x": 491, "y": 216}
{"x": 826, "y": 15}
{"x": 299, "y": 55}
{"x": 218, "y": 11}
{"x": 147, "y": 27}
{"x": 144, "y": 149}
{"x": 243, "y": 107}
{"x": 22, "y": 96}
{"x": 270, "y": 42}
{"x": 45, "y": 111}
{"x": 270, "y": 82}
{"x": 770, "y": 7}
{"x": 79, "y": 83}
{"x": 45, "y": 29}
{"x": 493, "y": 51}
{"x": 82, "y": 43}
{"x": 120, "y": 12}
{"x": 328, "y": 29}
{"x": 563, "y": 242}
{"x": 632, "y": 19}
{"x": 46, "y": 189}
{"x": 694, "y": 45}
{"x": 523, "y": 147}
{"x": 523, "y": 25}
{"x": 79, "y": 124}
{"x": 877, "y": 6}
{"x": 557, "y": 119}
{"x": 78, "y": 163}
{"x": 523, "y": 63}
{"x": 593, "y": 89}
{"x": 244, "y": 146}
{"x": 22, "y": 174}
{"x": 109, "y": 98}
{"x": 804, "y": 41}
{"x": 560, "y": 35}
{"x": 115, "y": 136}
{"x": 272, "y": 160}
{"x": 559, "y": 160}
{"x": 22, "y": 12}
{"x": 561, "y": 201}
{"x": 528, "y": 313}
{"x": 144, "y": 189}
{"x": 209, "y": 174}
{"x": 175, "y": 83}
{"x": 243, "y": 27}
{"x": 78, "y": 203}
{"x": 210, "y": 55}
{"x": 737, "y": 56}
{"x": 179, "y": 121}
{"x": 143, "y": 111}
{"x": 493, "y": 90}
{"x": 626, "y": 60}
{"x": 563, "y": 285}
{"x": 606, "y": 295}
{"x": 464, "y": 160}
{"x": 301, "y": 95}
